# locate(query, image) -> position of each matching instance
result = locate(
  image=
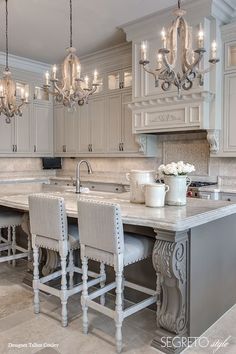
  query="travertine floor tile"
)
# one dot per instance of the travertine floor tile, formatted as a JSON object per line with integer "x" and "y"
{"x": 19, "y": 325}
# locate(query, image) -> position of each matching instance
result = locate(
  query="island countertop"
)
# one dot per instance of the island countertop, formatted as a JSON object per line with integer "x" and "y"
{"x": 174, "y": 218}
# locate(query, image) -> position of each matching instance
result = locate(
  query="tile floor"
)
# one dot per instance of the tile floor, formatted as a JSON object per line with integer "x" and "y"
{"x": 19, "y": 325}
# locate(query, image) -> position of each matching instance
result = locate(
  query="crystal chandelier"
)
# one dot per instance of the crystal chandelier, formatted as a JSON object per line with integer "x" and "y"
{"x": 72, "y": 88}
{"x": 8, "y": 104}
{"x": 168, "y": 61}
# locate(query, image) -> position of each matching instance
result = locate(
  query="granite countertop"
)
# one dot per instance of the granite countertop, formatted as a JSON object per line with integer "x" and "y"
{"x": 195, "y": 213}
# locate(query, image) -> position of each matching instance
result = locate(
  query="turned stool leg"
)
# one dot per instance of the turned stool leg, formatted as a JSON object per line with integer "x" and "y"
{"x": 0, "y": 238}
{"x": 9, "y": 241}
{"x": 85, "y": 294}
{"x": 102, "y": 283}
{"x": 64, "y": 295}
{"x": 119, "y": 309}
{"x": 36, "y": 280}
{"x": 71, "y": 269}
{"x": 14, "y": 244}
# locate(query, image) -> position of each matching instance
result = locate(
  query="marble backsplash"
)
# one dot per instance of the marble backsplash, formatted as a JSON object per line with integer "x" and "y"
{"x": 22, "y": 167}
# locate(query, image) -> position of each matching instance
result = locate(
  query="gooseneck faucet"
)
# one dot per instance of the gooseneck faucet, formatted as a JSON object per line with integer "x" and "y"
{"x": 78, "y": 184}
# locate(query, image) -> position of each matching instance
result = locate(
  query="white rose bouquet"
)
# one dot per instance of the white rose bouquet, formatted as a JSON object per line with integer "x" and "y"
{"x": 176, "y": 169}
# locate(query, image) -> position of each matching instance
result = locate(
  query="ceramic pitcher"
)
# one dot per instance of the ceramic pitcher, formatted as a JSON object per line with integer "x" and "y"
{"x": 178, "y": 189}
{"x": 155, "y": 194}
{"x": 138, "y": 179}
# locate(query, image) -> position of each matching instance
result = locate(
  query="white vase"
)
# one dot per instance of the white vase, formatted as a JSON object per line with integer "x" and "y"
{"x": 177, "y": 189}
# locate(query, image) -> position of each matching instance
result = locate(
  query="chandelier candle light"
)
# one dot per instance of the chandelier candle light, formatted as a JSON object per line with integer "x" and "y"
{"x": 166, "y": 69}
{"x": 72, "y": 88}
{"x": 8, "y": 105}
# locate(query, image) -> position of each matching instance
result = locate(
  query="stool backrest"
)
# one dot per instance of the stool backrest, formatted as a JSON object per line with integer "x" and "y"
{"x": 100, "y": 225}
{"x": 48, "y": 216}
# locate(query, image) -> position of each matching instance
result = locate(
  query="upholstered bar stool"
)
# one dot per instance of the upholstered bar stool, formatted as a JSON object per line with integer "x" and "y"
{"x": 50, "y": 230}
{"x": 10, "y": 220}
{"x": 102, "y": 239}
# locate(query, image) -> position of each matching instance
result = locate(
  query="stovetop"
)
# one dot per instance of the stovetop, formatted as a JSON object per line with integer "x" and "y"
{"x": 197, "y": 184}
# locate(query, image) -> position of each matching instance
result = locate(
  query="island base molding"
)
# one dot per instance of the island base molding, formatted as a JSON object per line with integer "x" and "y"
{"x": 171, "y": 262}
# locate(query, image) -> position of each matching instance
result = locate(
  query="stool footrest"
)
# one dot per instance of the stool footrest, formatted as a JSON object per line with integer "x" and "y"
{"x": 11, "y": 258}
{"x": 140, "y": 288}
{"x": 103, "y": 309}
{"x": 141, "y": 305}
{"x": 101, "y": 291}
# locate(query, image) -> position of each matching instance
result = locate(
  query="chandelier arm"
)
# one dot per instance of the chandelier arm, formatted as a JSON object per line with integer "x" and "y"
{"x": 150, "y": 71}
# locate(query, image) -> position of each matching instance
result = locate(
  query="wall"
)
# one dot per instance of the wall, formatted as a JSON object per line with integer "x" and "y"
{"x": 20, "y": 167}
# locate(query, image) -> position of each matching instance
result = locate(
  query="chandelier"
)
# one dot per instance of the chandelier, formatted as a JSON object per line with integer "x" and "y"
{"x": 8, "y": 104}
{"x": 71, "y": 88}
{"x": 167, "y": 69}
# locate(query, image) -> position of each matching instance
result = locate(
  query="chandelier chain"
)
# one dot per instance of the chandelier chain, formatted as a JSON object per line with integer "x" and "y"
{"x": 70, "y": 23}
{"x": 179, "y": 4}
{"x": 7, "y": 68}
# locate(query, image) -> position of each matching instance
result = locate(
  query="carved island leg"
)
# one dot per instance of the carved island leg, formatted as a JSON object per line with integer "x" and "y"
{"x": 170, "y": 260}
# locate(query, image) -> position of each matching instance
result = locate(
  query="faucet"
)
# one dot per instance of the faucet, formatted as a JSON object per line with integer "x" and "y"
{"x": 78, "y": 184}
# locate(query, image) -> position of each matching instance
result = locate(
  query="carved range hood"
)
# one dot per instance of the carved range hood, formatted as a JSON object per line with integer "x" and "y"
{"x": 155, "y": 111}
{"x": 168, "y": 113}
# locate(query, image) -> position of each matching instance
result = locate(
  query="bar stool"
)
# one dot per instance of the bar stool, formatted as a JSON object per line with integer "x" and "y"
{"x": 50, "y": 230}
{"x": 102, "y": 239}
{"x": 10, "y": 220}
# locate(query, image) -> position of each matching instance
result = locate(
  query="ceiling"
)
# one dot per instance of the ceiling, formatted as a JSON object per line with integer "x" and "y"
{"x": 39, "y": 29}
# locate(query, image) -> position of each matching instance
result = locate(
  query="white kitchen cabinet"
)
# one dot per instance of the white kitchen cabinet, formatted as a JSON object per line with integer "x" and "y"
{"x": 228, "y": 137}
{"x": 15, "y": 137}
{"x": 43, "y": 128}
{"x": 7, "y": 136}
{"x": 65, "y": 130}
{"x": 229, "y": 123}
{"x": 23, "y": 132}
{"x": 120, "y": 137}
{"x": 92, "y": 127}
{"x": 120, "y": 79}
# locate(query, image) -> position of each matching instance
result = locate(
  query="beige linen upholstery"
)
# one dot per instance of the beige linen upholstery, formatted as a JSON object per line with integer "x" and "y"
{"x": 50, "y": 230}
{"x": 102, "y": 239}
{"x": 10, "y": 220}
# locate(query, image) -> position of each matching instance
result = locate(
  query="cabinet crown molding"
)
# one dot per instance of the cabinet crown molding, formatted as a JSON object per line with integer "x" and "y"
{"x": 24, "y": 63}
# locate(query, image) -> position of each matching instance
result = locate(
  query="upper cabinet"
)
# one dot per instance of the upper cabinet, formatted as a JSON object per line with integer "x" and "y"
{"x": 31, "y": 134}
{"x": 119, "y": 80}
{"x": 65, "y": 129}
{"x": 228, "y": 136}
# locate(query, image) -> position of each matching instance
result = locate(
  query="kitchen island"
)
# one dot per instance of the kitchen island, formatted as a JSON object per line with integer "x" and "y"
{"x": 193, "y": 256}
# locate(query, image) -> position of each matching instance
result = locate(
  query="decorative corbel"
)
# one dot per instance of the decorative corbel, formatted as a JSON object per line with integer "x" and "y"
{"x": 213, "y": 138}
{"x": 141, "y": 140}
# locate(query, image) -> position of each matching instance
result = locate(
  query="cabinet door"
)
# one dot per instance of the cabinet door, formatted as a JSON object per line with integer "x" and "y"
{"x": 59, "y": 133}
{"x": 84, "y": 128}
{"x": 97, "y": 114}
{"x": 114, "y": 122}
{"x": 43, "y": 127}
{"x": 229, "y": 113}
{"x": 23, "y": 130}
{"x": 71, "y": 130}
{"x": 6, "y": 135}
{"x": 128, "y": 138}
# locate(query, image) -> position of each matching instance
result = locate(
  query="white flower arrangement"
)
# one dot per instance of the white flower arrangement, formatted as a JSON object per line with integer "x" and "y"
{"x": 176, "y": 169}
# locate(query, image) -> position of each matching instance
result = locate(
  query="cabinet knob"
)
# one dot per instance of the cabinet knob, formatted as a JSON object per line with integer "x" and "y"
{"x": 229, "y": 199}
{"x": 91, "y": 147}
{"x": 35, "y": 149}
